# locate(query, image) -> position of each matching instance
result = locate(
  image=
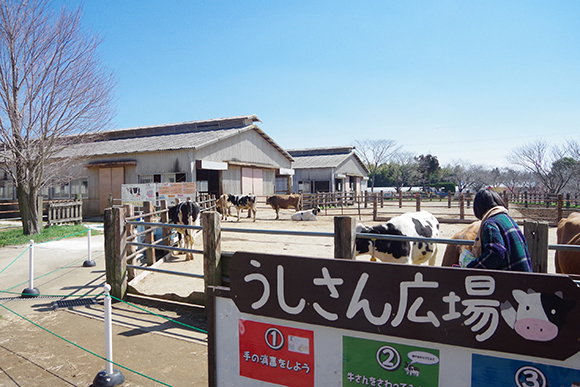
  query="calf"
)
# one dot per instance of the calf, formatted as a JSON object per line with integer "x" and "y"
{"x": 307, "y": 215}
{"x": 185, "y": 213}
{"x": 244, "y": 202}
{"x": 452, "y": 252}
{"x": 568, "y": 233}
{"x": 413, "y": 224}
{"x": 539, "y": 316}
{"x": 223, "y": 207}
{"x": 283, "y": 201}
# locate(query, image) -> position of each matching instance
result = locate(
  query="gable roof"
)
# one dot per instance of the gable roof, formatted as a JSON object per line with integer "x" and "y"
{"x": 168, "y": 137}
{"x": 329, "y": 157}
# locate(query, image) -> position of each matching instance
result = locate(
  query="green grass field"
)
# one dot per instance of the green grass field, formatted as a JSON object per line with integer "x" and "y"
{"x": 14, "y": 236}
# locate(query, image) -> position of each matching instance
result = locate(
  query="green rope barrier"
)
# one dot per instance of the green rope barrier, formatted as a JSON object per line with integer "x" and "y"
{"x": 159, "y": 315}
{"x": 44, "y": 275}
{"x": 10, "y": 264}
{"x": 84, "y": 349}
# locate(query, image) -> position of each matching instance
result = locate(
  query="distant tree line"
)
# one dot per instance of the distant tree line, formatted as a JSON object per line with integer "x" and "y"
{"x": 537, "y": 167}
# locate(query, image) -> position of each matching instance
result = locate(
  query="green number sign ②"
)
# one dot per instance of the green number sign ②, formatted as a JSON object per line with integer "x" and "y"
{"x": 377, "y": 363}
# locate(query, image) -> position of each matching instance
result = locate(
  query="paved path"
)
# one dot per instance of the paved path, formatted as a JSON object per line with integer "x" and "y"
{"x": 32, "y": 355}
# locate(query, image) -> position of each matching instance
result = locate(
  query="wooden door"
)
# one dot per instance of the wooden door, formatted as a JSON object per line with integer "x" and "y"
{"x": 110, "y": 181}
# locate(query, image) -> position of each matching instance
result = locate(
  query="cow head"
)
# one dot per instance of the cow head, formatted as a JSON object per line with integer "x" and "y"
{"x": 539, "y": 316}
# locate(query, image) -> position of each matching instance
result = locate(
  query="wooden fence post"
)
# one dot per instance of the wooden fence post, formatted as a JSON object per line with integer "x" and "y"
{"x": 129, "y": 212}
{"x": 115, "y": 251}
{"x": 344, "y": 237}
{"x": 149, "y": 237}
{"x": 400, "y": 198}
{"x": 448, "y": 199}
{"x": 375, "y": 206}
{"x": 536, "y": 234}
{"x": 560, "y": 205}
{"x": 526, "y": 199}
{"x": 461, "y": 207}
{"x": 418, "y": 202}
{"x": 212, "y": 249}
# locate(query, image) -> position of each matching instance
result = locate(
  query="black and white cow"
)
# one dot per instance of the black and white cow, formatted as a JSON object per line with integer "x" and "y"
{"x": 185, "y": 213}
{"x": 412, "y": 224}
{"x": 307, "y": 215}
{"x": 244, "y": 202}
{"x": 539, "y": 316}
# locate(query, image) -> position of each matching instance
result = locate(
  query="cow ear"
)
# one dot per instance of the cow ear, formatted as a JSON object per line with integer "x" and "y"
{"x": 560, "y": 294}
{"x": 519, "y": 295}
{"x": 531, "y": 291}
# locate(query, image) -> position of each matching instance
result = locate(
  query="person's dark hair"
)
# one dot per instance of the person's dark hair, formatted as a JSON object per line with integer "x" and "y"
{"x": 484, "y": 200}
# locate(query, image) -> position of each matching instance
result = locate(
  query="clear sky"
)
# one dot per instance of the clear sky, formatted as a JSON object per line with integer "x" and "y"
{"x": 461, "y": 80}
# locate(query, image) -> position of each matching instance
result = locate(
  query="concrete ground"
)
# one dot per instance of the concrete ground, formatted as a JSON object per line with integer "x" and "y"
{"x": 39, "y": 346}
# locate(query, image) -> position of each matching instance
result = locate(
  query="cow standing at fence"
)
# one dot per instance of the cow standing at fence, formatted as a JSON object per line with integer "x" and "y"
{"x": 185, "y": 213}
{"x": 283, "y": 201}
{"x": 568, "y": 233}
{"x": 412, "y": 224}
{"x": 243, "y": 202}
{"x": 452, "y": 252}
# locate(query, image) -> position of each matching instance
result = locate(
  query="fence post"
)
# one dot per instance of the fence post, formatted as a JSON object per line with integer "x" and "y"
{"x": 110, "y": 200}
{"x": 212, "y": 249}
{"x": 461, "y": 207}
{"x": 448, "y": 199}
{"x": 344, "y": 237}
{"x": 116, "y": 250}
{"x": 418, "y": 202}
{"x": 560, "y": 205}
{"x": 129, "y": 212}
{"x": 526, "y": 199}
{"x": 149, "y": 237}
{"x": 375, "y": 206}
{"x": 567, "y": 200}
{"x": 536, "y": 234}
{"x": 400, "y": 198}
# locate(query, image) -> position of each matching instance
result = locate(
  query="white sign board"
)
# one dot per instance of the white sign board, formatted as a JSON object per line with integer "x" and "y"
{"x": 136, "y": 194}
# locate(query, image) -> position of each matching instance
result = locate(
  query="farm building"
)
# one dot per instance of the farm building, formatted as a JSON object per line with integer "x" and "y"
{"x": 332, "y": 169}
{"x": 225, "y": 155}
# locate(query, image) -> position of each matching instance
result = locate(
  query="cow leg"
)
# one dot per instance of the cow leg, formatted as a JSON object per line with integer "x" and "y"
{"x": 238, "y": 214}
{"x": 277, "y": 213}
{"x": 254, "y": 211}
{"x": 433, "y": 258}
{"x": 188, "y": 245}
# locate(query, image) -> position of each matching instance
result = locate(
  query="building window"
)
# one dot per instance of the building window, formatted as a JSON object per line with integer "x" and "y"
{"x": 80, "y": 187}
{"x": 163, "y": 178}
{"x": 6, "y": 190}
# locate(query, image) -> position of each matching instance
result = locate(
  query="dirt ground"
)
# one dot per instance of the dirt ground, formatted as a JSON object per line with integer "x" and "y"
{"x": 165, "y": 351}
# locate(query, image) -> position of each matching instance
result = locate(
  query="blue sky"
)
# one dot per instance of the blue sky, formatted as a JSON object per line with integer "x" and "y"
{"x": 462, "y": 80}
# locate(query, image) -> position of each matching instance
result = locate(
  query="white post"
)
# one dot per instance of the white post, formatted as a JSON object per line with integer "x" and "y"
{"x": 31, "y": 265}
{"x": 108, "y": 330}
{"x": 89, "y": 243}
{"x": 30, "y": 291}
{"x": 109, "y": 377}
{"x": 89, "y": 262}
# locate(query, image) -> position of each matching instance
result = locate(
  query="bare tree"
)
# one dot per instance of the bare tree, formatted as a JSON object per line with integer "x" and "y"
{"x": 549, "y": 165}
{"x": 375, "y": 153}
{"x": 53, "y": 90}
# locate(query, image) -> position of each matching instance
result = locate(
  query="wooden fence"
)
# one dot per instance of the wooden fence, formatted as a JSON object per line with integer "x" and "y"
{"x": 53, "y": 211}
{"x": 124, "y": 256}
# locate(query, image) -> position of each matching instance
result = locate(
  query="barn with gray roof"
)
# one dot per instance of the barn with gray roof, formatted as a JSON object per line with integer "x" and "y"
{"x": 225, "y": 155}
{"x": 331, "y": 169}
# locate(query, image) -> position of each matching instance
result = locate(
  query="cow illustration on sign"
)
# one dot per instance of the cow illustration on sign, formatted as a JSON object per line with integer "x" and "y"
{"x": 539, "y": 316}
